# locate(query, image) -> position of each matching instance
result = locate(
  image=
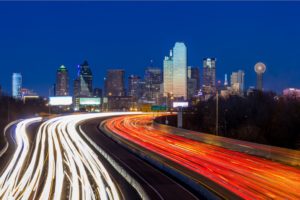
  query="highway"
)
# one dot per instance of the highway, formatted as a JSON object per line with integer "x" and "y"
{"x": 155, "y": 183}
{"x": 68, "y": 157}
{"x": 58, "y": 164}
{"x": 247, "y": 176}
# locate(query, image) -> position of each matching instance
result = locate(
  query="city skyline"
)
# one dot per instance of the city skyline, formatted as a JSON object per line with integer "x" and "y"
{"x": 239, "y": 45}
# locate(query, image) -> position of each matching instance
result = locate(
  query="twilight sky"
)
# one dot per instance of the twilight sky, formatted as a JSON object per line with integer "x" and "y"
{"x": 37, "y": 37}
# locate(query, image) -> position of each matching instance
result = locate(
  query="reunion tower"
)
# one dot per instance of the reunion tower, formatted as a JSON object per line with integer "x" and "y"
{"x": 260, "y": 69}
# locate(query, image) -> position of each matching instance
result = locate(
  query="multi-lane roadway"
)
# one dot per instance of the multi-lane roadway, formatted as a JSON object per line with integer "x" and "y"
{"x": 68, "y": 157}
{"x": 247, "y": 176}
{"x": 58, "y": 164}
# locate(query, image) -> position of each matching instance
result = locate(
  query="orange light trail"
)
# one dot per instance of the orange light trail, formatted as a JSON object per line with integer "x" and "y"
{"x": 248, "y": 176}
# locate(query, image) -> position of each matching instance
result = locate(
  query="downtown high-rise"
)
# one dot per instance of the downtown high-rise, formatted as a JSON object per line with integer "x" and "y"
{"x": 134, "y": 86}
{"x": 175, "y": 72}
{"x": 16, "y": 85}
{"x": 62, "y": 81}
{"x": 83, "y": 84}
{"x": 153, "y": 81}
{"x": 114, "y": 82}
{"x": 180, "y": 71}
{"x": 237, "y": 82}
{"x": 168, "y": 75}
{"x": 193, "y": 81}
{"x": 209, "y": 76}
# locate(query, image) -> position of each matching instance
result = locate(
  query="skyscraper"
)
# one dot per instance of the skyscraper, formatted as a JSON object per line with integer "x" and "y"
{"x": 180, "y": 70}
{"x": 16, "y": 85}
{"x": 134, "y": 83}
{"x": 114, "y": 82}
{"x": 62, "y": 82}
{"x": 196, "y": 75}
{"x": 153, "y": 80}
{"x": 168, "y": 75}
{"x": 193, "y": 81}
{"x": 209, "y": 77}
{"x": 237, "y": 82}
{"x": 83, "y": 84}
{"x": 225, "y": 80}
{"x": 209, "y": 72}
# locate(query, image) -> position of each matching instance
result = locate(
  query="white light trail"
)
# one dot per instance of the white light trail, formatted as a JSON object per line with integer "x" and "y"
{"x": 59, "y": 159}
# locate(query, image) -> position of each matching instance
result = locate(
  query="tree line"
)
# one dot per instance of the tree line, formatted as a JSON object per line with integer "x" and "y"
{"x": 261, "y": 117}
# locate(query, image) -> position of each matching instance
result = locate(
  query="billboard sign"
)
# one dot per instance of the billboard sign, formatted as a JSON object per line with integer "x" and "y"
{"x": 61, "y": 101}
{"x": 182, "y": 104}
{"x": 89, "y": 101}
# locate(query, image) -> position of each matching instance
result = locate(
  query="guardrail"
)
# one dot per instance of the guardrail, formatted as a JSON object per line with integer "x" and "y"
{"x": 282, "y": 155}
{"x": 118, "y": 168}
{"x": 152, "y": 158}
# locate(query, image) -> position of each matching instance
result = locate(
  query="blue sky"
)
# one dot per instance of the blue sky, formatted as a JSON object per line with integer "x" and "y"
{"x": 37, "y": 37}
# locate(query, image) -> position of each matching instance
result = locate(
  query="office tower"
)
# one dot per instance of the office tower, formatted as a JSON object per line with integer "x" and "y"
{"x": 209, "y": 72}
{"x": 237, "y": 82}
{"x": 209, "y": 77}
{"x": 168, "y": 75}
{"x": 16, "y": 85}
{"x": 97, "y": 92}
{"x": 62, "y": 82}
{"x": 193, "y": 73}
{"x": 114, "y": 82}
{"x": 153, "y": 80}
{"x": 83, "y": 84}
{"x": 225, "y": 81}
{"x": 180, "y": 71}
{"x": 260, "y": 69}
{"x": 134, "y": 86}
{"x": 193, "y": 81}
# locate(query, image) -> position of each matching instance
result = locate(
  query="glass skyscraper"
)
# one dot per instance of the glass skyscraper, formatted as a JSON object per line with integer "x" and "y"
{"x": 16, "y": 85}
{"x": 209, "y": 72}
{"x": 237, "y": 82}
{"x": 83, "y": 84}
{"x": 153, "y": 80}
{"x": 168, "y": 75}
{"x": 180, "y": 70}
{"x": 62, "y": 82}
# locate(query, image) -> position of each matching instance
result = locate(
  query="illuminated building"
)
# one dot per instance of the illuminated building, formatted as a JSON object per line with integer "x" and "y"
{"x": 260, "y": 69}
{"x": 83, "y": 84}
{"x": 153, "y": 80}
{"x": 209, "y": 77}
{"x": 62, "y": 82}
{"x": 16, "y": 85}
{"x": 291, "y": 93}
{"x": 114, "y": 82}
{"x": 225, "y": 81}
{"x": 168, "y": 75}
{"x": 180, "y": 71}
{"x": 193, "y": 81}
{"x": 134, "y": 86}
{"x": 209, "y": 72}
{"x": 237, "y": 82}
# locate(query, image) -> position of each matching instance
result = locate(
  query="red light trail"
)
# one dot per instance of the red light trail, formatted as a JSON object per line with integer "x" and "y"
{"x": 248, "y": 176}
